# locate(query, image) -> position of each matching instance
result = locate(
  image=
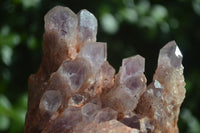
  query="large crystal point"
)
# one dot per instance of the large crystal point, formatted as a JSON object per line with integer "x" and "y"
{"x": 62, "y": 20}
{"x": 164, "y": 96}
{"x": 76, "y": 90}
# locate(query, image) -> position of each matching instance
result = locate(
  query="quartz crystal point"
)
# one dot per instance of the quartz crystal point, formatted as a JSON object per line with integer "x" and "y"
{"x": 130, "y": 85}
{"x": 164, "y": 96}
{"x": 76, "y": 89}
{"x": 87, "y": 26}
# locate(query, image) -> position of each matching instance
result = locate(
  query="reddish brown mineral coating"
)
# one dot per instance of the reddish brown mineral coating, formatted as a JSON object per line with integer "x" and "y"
{"x": 76, "y": 90}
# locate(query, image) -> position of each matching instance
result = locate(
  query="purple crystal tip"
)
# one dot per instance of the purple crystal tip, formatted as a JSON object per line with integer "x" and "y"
{"x": 170, "y": 54}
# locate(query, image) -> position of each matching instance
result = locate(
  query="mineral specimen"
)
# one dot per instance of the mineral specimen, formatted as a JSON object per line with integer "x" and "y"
{"x": 76, "y": 91}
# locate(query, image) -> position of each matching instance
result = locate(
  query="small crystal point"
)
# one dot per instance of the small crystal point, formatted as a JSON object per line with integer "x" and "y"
{"x": 130, "y": 85}
{"x": 170, "y": 54}
{"x": 132, "y": 66}
{"x": 50, "y": 101}
{"x": 87, "y": 26}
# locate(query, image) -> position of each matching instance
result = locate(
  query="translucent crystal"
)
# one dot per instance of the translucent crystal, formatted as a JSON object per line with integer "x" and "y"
{"x": 171, "y": 76}
{"x": 131, "y": 86}
{"x": 95, "y": 53}
{"x": 62, "y": 20}
{"x": 170, "y": 54}
{"x": 87, "y": 26}
{"x": 89, "y": 111}
{"x": 75, "y": 72}
{"x": 132, "y": 66}
{"x": 50, "y": 101}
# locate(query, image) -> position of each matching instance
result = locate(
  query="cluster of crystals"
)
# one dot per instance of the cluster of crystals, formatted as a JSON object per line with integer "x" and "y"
{"x": 76, "y": 90}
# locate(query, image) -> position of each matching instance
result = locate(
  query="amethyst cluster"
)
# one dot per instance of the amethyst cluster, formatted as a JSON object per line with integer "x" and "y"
{"x": 76, "y": 90}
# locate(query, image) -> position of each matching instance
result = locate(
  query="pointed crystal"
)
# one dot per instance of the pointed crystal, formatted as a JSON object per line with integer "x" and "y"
{"x": 170, "y": 54}
{"x": 62, "y": 20}
{"x": 125, "y": 95}
{"x": 164, "y": 96}
{"x": 50, "y": 101}
{"x": 87, "y": 26}
{"x": 59, "y": 38}
{"x": 132, "y": 76}
{"x": 132, "y": 66}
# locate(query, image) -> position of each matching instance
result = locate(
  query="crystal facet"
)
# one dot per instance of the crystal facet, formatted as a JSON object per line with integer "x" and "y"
{"x": 50, "y": 101}
{"x": 62, "y": 20}
{"x": 171, "y": 55}
{"x": 76, "y": 89}
{"x": 87, "y": 26}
